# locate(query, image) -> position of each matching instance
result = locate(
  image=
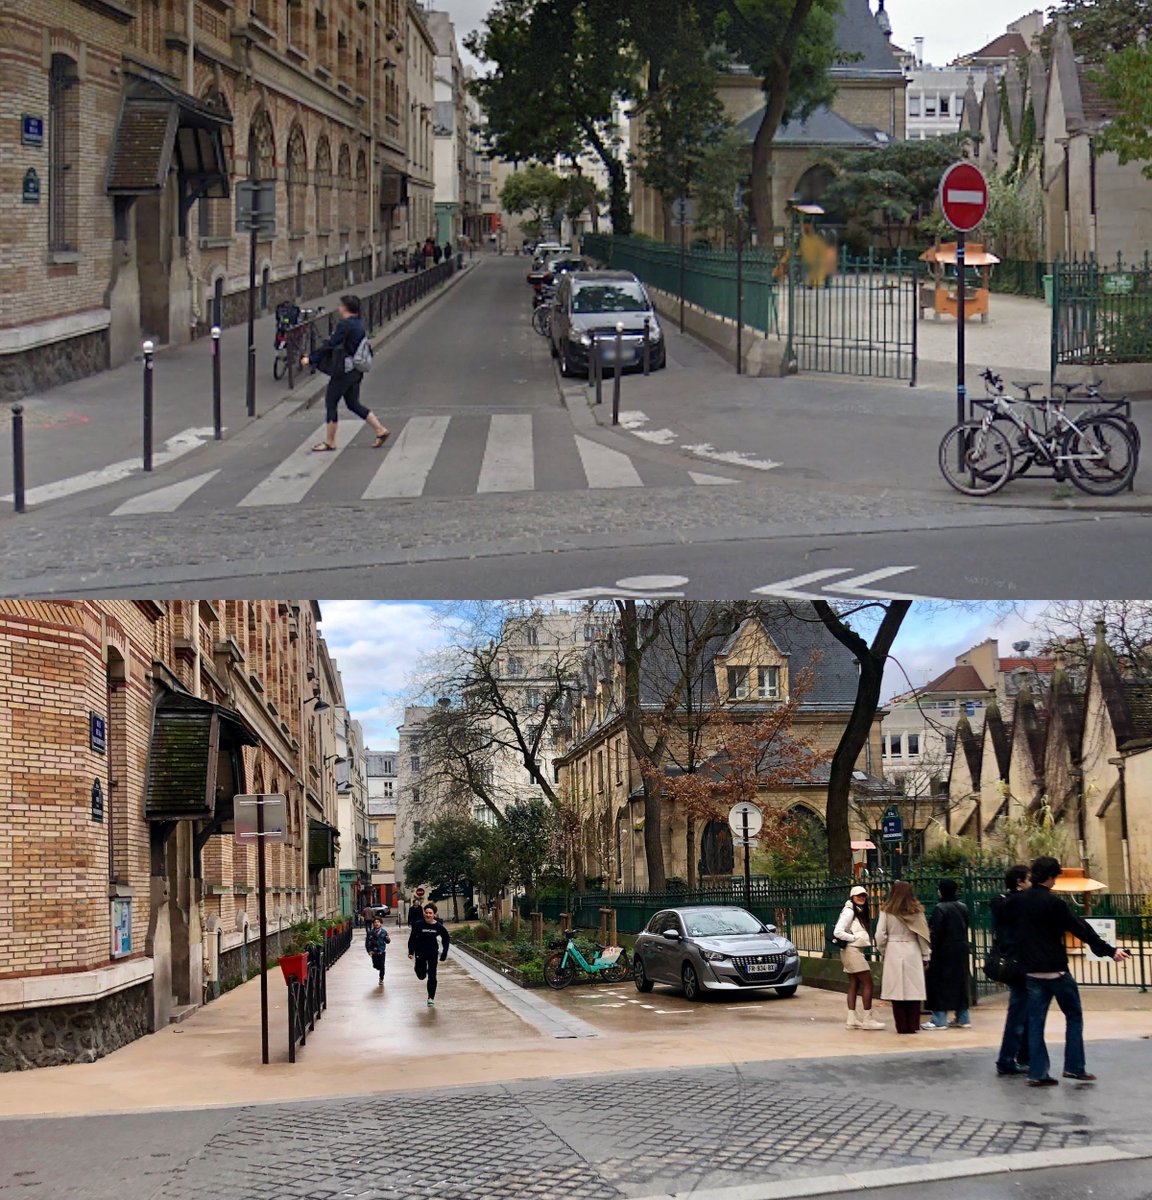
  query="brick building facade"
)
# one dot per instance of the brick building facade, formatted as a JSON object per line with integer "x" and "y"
{"x": 126, "y": 729}
{"x": 127, "y": 124}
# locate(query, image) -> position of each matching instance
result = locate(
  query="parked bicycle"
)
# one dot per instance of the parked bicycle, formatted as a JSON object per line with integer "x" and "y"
{"x": 293, "y": 336}
{"x": 1096, "y": 451}
{"x": 562, "y": 966}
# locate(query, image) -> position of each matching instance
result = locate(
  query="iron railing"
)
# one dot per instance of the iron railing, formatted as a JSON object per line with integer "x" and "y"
{"x": 1101, "y": 312}
{"x": 308, "y": 1000}
{"x": 804, "y": 910}
{"x": 1020, "y": 277}
{"x": 377, "y": 309}
{"x": 709, "y": 276}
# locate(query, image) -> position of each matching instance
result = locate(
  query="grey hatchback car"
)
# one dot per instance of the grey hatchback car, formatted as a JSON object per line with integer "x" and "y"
{"x": 705, "y": 948}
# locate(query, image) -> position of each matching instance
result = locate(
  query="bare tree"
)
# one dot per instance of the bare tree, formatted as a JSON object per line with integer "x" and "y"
{"x": 1069, "y": 627}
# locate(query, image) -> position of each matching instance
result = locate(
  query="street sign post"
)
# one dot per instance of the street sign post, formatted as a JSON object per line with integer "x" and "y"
{"x": 255, "y": 214}
{"x": 261, "y": 819}
{"x": 964, "y": 202}
{"x": 892, "y": 834}
{"x": 683, "y": 215}
{"x": 746, "y": 820}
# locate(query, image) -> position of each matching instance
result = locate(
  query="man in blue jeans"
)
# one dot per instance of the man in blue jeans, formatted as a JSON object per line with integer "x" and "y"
{"x": 1040, "y": 920}
{"x": 1013, "y": 1057}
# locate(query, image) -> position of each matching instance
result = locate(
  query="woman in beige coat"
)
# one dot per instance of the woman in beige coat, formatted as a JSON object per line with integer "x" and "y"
{"x": 902, "y": 937}
{"x": 851, "y": 932}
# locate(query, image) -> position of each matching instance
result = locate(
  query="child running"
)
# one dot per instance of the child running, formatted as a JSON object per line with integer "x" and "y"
{"x": 424, "y": 947}
{"x": 376, "y": 943}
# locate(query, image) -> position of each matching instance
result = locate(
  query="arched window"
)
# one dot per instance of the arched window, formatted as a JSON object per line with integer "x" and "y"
{"x": 344, "y": 190}
{"x": 63, "y": 154}
{"x": 717, "y": 856}
{"x": 362, "y": 191}
{"x": 297, "y": 182}
{"x": 261, "y": 146}
{"x": 807, "y": 837}
{"x": 323, "y": 177}
{"x": 215, "y": 216}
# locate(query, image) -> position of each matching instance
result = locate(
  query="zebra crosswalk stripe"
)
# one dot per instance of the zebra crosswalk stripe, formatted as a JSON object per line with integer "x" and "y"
{"x": 166, "y": 499}
{"x": 406, "y": 466}
{"x": 605, "y": 467}
{"x": 507, "y": 465}
{"x": 292, "y": 480}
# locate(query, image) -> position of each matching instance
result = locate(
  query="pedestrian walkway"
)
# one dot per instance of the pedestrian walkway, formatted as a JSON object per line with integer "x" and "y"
{"x": 87, "y": 433}
{"x": 432, "y": 455}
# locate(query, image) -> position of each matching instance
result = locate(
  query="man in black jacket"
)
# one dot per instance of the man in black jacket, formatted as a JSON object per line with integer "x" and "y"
{"x": 424, "y": 942}
{"x": 1039, "y": 922}
{"x": 1014, "y": 1044}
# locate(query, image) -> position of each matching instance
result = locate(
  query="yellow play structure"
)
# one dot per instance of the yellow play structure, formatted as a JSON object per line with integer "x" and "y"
{"x": 939, "y": 292}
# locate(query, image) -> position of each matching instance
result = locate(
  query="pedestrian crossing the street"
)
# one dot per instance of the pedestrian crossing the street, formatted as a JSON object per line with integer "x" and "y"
{"x": 425, "y": 456}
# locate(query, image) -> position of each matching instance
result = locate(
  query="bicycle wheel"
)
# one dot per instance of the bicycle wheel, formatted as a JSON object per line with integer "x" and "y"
{"x": 279, "y": 364}
{"x": 542, "y": 320}
{"x": 621, "y": 971}
{"x": 1101, "y": 456}
{"x": 975, "y": 460}
{"x": 558, "y": 972}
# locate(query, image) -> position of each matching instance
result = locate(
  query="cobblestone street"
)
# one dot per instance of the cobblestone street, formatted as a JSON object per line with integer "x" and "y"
{"x": 628, "y": 1134}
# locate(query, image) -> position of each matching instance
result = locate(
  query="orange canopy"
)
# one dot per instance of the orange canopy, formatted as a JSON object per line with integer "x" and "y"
{"x": 974, "y": 255}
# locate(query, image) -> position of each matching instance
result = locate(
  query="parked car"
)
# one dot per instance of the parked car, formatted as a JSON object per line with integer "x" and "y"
{"x": 546, "y": 250}
{"x": 588, "y": 307}
{"x": 559, "y": 264}
{"x": 378, "y": 910}
{"x": 706, "y": 948}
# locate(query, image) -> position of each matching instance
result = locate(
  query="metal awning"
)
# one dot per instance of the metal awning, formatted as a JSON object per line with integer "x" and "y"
{"x": 393, "y": 187}
{"x": 323, "y": 840}
{"x": 195, "y": 745}
{"x": 162, "y": 130}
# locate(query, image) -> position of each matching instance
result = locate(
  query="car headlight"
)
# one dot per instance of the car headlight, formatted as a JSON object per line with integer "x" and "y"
{"x": 714, "y": 956}
{"x": 655, "y": 333}
{"x": 583, "y": 338}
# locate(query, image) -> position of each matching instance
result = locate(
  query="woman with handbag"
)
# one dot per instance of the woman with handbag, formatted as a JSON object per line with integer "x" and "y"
{"x": 903, "y": 938}
{"x": 853, "y": 937}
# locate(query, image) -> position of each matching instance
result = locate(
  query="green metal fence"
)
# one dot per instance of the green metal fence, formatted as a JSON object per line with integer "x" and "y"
{"x": 804, "y": 909}
{"x": 1020, "y": 277}
{"x": 1101, "y": 312}
{"x": 709, "y": 275}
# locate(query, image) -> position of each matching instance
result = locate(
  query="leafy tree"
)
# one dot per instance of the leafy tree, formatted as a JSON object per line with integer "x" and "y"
{"x": 444, "y": 855}
{"x": 791, "y": 46}
{"x": 492, "y": 870}
{"x": 578, "y": 194}
{"x": 536, "y": 189}
{"x": 1100, "y": 28}
{"x": 721, "y": 170}
{"x": 1126, "y": 82}
{"x": 530, "y": 835}
{"x": 888, "y": 189}
{"x": 557, "y": 68}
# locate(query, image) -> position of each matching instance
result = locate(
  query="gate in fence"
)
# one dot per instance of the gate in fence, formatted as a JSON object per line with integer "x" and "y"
{"x": 1101, "y": 312}
{"x": 857, "y": 319}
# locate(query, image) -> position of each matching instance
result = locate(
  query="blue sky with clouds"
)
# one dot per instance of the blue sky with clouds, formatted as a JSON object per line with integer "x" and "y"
{"x": 378, "y": 646}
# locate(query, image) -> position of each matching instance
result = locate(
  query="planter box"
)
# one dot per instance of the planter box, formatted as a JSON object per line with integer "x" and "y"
{"x": 294, "y": 967}
{"x": 514, "y": 974}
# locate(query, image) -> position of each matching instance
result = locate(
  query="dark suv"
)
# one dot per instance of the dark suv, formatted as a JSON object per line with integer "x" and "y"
{"x": 588, "y": 307}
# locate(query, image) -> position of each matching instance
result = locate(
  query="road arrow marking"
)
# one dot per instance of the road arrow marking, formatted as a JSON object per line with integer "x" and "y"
{"x": 855, "y": 585}
{"x": 858, "y": 585}
{"x": 789, "y": 589}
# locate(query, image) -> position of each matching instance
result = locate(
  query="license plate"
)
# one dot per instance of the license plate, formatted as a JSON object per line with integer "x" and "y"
{"x": 759, "y": 968}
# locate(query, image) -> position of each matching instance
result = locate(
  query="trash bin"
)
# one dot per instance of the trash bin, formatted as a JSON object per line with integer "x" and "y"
{"x": 1048, "y": 290}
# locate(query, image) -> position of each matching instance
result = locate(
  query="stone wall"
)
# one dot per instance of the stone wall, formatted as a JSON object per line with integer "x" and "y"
{"x": 74, "y": 1033}
{"x": 48, "y": 366}
{"x": 242, "y": 962}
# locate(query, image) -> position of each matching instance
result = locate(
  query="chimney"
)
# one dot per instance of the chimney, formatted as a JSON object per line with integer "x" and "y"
{"x": 919, "y": 52}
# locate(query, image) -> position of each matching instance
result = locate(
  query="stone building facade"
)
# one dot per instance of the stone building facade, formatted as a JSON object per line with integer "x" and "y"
{"x": 126, "y": 730}
{"x": 128, "y": 124}
{"x": 421, "y": 58}
{"x": 746, "y": 673}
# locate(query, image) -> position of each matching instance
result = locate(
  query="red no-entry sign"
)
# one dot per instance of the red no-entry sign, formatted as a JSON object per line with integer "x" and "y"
{"x": 964, "y": 196}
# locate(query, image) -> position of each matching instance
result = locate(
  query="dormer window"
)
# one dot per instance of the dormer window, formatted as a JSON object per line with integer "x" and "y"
{"x": 753, "y": 683}
{"x": 738, "y": 683}
{"x": 767, "y": 683}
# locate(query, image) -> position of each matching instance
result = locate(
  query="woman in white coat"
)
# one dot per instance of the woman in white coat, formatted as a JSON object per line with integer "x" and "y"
{"x": 852, "y": 932}
{"x": 902, "y": 937}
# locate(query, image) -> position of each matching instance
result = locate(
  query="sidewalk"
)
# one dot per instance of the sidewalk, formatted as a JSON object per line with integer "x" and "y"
{"x": 94, "y": 427}
{"x": 861, "y": 436}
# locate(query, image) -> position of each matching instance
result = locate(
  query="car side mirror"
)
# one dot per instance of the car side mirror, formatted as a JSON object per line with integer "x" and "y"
{"x": 770, "y": 928}
{"x": 672, "y": 935}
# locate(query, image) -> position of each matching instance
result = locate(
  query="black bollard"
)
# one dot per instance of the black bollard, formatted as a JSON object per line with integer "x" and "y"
{"x": 597, "y": 369}
{"x": 18, "y": 457}
{"x": 618, "y": 372}
{"x": 647, "y": 345}
{"x": 217, "y": 415}
{"x": 149, "y": 349}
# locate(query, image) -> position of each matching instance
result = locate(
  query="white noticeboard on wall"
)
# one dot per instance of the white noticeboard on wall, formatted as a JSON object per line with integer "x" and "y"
{"x": 1106, "y": 928}
{"x": 274, "y": 810}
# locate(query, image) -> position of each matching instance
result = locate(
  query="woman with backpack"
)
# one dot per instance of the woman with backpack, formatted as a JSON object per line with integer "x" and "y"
{"x": 376, "y": 943}
{"x": 902, "y": 935}
{"x": 335, "y": 359}
{"x": 853, "y": 937}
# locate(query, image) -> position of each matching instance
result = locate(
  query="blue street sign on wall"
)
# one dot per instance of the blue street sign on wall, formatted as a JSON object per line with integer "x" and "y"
{"x": 97, "y": 733}
{"x": 892, "y": 825}
{"x": 31, "y": 130}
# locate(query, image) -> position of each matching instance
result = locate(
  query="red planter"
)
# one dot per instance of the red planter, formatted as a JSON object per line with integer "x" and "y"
{"x": 294, "y": 967}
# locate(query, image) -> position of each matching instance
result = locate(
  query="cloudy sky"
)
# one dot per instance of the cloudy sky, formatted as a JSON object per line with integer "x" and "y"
{"x": 948, "y": 29}
{"x": 378, "y": 646}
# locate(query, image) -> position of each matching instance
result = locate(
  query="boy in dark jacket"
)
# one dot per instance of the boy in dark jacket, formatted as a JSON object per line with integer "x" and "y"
{"x": 1040, "y": 920}
{"x": 424, "y": 942}
{"x": 376, "y": 943}
{"x": 1013, "y": 1058}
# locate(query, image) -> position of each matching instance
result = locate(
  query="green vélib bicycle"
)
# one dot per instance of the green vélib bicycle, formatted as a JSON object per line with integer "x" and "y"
{"x": 561, "y": 966}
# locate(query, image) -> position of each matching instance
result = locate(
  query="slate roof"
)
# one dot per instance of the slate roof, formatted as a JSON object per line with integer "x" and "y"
{"x": 822, "y": 128}
{"x": 858, "y": 33}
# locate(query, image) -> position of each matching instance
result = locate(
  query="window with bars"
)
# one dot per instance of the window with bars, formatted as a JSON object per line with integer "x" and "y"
{"x": 63, "y": 147}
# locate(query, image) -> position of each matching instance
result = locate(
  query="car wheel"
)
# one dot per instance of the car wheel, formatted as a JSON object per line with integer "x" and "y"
{"x": 642, "y": 982}
{"x": 691, "y": 982}
{"x": 786, "y": 993}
